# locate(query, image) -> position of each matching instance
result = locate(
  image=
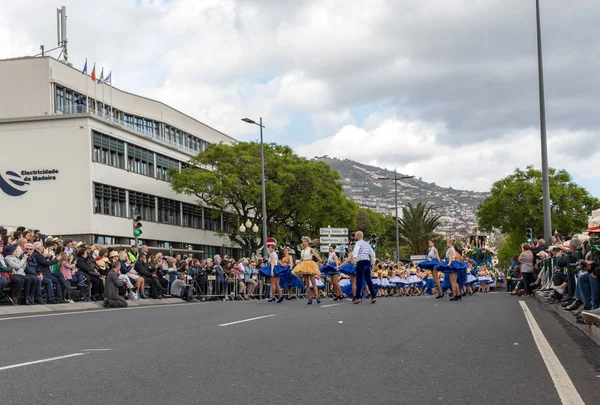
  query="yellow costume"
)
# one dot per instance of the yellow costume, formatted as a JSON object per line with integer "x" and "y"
{"x": 307, "y": 267}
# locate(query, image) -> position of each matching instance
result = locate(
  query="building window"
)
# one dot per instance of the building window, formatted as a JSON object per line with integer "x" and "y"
{"x": 212, "y": 220}
{"x": 163, "y": 245}
{"x": 105, "y": 240}
{"x": 109, "y": 200}
{"x": 169, "y": 211}
{"x": 108, "y": 150}
{"x": 230, "y": 222}
{"x": 144, "y": 203}
{"x": 210, "y": 252}
{"x": 140, "y": 160}
{"x": 163, "y": 164}
{"x": 192, "y": 216}
{"x": 59, "y": 100}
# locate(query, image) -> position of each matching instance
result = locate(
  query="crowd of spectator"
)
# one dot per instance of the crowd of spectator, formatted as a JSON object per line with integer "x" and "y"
{"x": 39, "y": 269}
{"x": 565, "y": 273}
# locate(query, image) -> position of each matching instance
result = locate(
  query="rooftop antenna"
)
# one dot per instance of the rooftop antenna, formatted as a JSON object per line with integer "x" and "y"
{"x": 61, "y": 31}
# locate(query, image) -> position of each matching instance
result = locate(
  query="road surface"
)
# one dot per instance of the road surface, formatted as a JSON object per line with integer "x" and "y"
{"x": 416, "y": 350}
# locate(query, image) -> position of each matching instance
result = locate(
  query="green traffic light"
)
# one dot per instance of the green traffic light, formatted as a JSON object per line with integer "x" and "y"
{"x": 137, "y": 232}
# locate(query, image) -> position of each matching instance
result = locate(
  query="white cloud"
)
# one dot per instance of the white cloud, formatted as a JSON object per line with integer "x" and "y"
{"x": 413, "y": 148}
{"x": 448, "y": 83}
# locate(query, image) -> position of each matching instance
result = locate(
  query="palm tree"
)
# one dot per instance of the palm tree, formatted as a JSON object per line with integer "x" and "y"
{"x": 417, "y": 226}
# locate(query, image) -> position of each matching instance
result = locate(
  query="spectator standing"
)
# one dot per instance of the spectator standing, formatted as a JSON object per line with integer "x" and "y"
{"x": 526, "y": 261}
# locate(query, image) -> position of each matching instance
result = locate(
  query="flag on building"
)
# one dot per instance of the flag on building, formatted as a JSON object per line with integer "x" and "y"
{"x": 101, "y": 75}
{"x": 94, "y": 72}
{"x": 84, "y": 71}
{"x": 108, "y": 78}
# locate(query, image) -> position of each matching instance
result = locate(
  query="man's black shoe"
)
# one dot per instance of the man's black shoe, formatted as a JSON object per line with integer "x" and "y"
{"x": 565, "y": 304}
{"x": 574, "y": 305}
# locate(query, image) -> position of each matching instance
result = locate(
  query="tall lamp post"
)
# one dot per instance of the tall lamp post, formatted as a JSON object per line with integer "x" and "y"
{"x": 395, "y": 179}
{"x": 262, "y": 171}
{"x": 248, "y": 232}
{"x": 544, "y": 142}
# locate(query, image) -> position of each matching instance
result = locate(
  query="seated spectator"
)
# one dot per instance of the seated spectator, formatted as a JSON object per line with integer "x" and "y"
{"x": 150, "y": 278}
{"x": 127, "y": 269}
{"x": 102, "y": 262}
{"x": 48, "y": 279}
{"x": 85, "y": 264}
{"x": 14, "y": 281}
{"x": 180, "y": 289}
{"x": 17, "y": 261}
{"x": 112, "y": 297}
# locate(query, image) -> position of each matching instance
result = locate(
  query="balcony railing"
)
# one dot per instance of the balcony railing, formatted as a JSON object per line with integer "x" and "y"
{"x": 108, "y": 117}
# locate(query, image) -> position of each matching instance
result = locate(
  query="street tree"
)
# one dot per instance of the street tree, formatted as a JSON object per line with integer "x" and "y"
{"x": 417, "y": 226}
{"x": 302, "y": 195}
{"x": 515, "y": 203}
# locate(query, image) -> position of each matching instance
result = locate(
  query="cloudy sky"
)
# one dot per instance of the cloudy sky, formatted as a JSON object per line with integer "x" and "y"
{"x": 440, "y": 89}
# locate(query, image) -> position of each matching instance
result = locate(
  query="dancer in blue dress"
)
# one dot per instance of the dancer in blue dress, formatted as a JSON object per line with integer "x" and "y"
{"x": 433, "y": 259}
{"x": 331, "y": 269}
{"x": 274, "y": 271}
{"x": 452, "y": 267}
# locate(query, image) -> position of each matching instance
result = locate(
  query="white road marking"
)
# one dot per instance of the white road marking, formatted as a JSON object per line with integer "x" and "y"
{"x": 96, "y": 350}
{"x": 564, "y": 386}
{"x": 29, "y": 363}
{"x": 330, "y": 305}
{"x": 91, "y": 311}
{"x": 247, "y": 320}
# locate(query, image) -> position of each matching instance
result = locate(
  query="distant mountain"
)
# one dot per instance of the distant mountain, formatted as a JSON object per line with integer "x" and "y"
{"x": 362, "y": 184}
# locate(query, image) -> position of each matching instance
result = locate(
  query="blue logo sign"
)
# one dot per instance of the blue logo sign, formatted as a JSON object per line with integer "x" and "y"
{"x": 14, "y": 185}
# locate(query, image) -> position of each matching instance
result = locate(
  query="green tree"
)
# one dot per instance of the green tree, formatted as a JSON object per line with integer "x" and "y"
{"x": 302, "y": 195}
{"x": 417, "y": 226}
{"x": 515, "y": 203}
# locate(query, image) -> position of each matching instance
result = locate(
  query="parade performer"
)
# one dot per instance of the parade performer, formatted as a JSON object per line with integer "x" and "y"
{"x": 308, "y": 269}
{"x": 331, "y": 269}
{"x": 274, "y": 271}
{"x": 361, "y": 254}
{"x": 349, "y": 269}
{"x": 289, "y": 281}
{"x": 433, "y": 259}
{"x": 452, "y": 267}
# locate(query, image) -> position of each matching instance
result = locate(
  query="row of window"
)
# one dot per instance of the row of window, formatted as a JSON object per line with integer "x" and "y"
{"x": 111, "y": 151}
{"x": 209, "y": 251}
{"x": 110, "y": 200}
{"x": 66, "y": 101}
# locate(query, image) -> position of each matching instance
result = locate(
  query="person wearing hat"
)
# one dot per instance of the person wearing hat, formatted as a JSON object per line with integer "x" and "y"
{"x": 113, "y": 257}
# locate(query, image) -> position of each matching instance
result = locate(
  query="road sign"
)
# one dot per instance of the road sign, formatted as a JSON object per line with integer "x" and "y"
{"x": 416, "y": 258}
{"x": 271, "y": 241}
{"x": 334, "y": 231}
{"x": 338, "y": 248}
{"x": 334, "y": 239}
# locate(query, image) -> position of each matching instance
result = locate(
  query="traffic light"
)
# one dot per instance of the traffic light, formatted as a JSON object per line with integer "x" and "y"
{"x": 137, "y": 225}
{"x": 528, "y": 235}
{"x": 374, "y": 241}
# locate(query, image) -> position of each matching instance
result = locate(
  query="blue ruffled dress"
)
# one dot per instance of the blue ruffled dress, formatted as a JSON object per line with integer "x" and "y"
{"x": 349, "y": 269}
{"x": 290, "y": 280}
{"x": 431, "y": 261}
{"x": 278, "y": 271}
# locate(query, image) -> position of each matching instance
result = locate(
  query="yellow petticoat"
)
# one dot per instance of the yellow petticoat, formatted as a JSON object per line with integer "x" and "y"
{"x": 306, "y": 268}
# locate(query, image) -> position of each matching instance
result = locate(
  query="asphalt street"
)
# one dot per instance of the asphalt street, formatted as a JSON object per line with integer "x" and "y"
{"x": 417, "y": 350}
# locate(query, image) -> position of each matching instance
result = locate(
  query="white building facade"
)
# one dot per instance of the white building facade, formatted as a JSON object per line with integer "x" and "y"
{"x": 79, "y": 167}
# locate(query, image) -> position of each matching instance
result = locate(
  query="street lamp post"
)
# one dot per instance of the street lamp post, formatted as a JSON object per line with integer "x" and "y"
{"x": 248, "y": 231}
{"x": 262, "y": 171}
{"x": 395, "y": 179}
{"x": 544, "y": 142}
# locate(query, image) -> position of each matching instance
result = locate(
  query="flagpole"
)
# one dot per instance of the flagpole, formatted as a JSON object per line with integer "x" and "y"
{"x": 87, "y": 98}
{"x": 111, "y": 103}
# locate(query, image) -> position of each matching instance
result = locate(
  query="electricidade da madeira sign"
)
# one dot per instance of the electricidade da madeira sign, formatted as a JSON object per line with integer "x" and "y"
{"x": 15, "y": 184}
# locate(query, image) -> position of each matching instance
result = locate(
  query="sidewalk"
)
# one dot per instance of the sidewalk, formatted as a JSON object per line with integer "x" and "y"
{"x": 8, "y": 310}
{"x": 592, "y": 331}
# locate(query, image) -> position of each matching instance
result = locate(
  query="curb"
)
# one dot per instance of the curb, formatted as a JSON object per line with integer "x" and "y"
{"x": 592, "y": 331}
{"x": 19, "y": 310}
